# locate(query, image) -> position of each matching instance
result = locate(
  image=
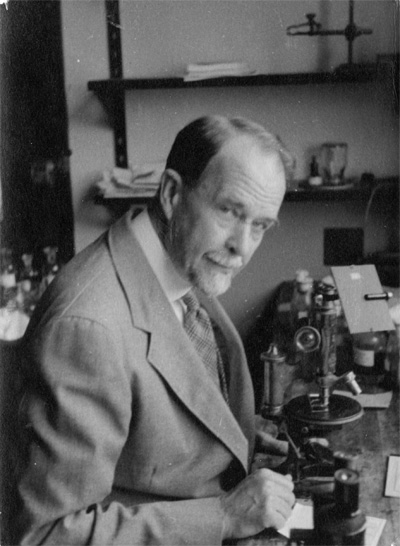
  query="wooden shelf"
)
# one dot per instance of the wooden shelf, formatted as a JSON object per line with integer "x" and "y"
{"x": 360, "y": 192}
{"x": 325, "y": 193}
{"x": 106, "y": 90}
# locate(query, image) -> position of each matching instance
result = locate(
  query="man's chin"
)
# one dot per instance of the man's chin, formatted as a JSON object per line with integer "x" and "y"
{"x": 214, "y": 285}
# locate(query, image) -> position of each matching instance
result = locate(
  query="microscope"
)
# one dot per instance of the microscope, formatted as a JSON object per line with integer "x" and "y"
{"x": 306, "y": 420}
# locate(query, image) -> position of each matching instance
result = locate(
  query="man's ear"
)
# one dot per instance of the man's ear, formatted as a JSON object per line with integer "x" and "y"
{"x": 170, "y": 191}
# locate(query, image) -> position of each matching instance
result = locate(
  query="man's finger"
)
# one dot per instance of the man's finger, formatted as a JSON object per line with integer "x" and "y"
{"x": 270, "y": 444}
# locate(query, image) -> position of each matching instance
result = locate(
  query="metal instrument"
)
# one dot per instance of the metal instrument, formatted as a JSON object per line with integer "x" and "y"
{"x": 313, "y": 28}
{"x": 307, "y": 419}
{"x": 324, "y": 409}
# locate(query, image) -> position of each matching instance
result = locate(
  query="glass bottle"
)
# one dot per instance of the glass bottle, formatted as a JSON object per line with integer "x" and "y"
{"x": 369, "y": 353}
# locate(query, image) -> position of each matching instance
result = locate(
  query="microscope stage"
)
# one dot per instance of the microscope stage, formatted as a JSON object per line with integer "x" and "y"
{"x": 341, "y": 410}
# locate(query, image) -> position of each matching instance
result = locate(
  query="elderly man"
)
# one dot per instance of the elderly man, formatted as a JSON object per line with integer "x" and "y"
{"x": 138, "y": 412}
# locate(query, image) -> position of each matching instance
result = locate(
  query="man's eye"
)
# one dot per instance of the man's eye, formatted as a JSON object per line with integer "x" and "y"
{"x": 259, "y": 225}
{"x": 225, "y": 209}
{"x": 262, "y": 226}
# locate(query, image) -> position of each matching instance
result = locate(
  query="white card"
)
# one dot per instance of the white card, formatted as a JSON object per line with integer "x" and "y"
{"x": 392, "y": 488}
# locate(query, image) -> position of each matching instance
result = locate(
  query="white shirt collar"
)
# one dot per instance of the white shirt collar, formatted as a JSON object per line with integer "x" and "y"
{"x": 174, "y": 286}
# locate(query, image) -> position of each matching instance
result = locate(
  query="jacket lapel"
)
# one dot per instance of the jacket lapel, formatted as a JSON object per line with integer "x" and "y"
{"x": 172, "y": 353}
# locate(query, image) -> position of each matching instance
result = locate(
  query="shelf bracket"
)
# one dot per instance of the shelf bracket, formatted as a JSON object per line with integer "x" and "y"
{"x": 118, "y": 103}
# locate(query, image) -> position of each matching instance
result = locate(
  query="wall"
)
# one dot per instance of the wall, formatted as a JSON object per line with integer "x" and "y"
{"x": 160, "y": 37}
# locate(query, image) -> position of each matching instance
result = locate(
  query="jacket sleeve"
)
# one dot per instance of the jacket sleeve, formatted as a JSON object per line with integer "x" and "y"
{"x": 75, "y": 417}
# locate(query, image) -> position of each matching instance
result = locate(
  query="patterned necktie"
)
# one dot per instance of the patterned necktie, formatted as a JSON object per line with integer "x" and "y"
{"x": 198, "y": 327}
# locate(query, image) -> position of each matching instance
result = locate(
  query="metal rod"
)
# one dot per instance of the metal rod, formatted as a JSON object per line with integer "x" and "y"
{"x": 380, "y": 296}
{"x": 116, "y": 72}
{"x": 351, "y": 25}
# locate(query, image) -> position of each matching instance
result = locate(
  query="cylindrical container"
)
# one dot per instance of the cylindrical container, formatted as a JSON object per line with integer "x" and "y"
{"x": 347, "y": 492}
{"x": 369, "y": 353}
{"x": 333, "y": 162}
{"x": 274, "y": 381}
{"x": 341, "y": 522}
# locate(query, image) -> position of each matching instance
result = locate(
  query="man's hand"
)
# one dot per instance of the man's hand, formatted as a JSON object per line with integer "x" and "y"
{"x": 269, "y": 451}
{"x": 263, "y": 499}
{"x": 266, "y": 433}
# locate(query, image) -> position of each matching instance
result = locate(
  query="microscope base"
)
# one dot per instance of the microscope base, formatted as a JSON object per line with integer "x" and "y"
{"x": 341, "y": 410}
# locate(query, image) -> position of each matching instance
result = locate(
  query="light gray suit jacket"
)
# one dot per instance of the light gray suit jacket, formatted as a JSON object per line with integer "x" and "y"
{"x": 126, "y": 439}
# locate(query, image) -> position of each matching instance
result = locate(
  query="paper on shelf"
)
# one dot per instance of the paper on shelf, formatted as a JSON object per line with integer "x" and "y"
{"x": 205, "y": 71}
{"x": 216, "y": 67}
{"x": 138, "y": 181}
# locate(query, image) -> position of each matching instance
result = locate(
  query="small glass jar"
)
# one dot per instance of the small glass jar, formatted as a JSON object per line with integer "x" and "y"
{"x": 333, "y": 162}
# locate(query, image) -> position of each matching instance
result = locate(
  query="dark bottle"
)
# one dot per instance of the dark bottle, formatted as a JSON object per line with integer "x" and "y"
{"x": 314, "y": 179}
{"x": 369, "y": 350}
{"x": 338, "y": 521}
{"x": 314, "y": 170}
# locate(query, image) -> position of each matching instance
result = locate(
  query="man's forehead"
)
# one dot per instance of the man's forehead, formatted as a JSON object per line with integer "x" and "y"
{"x": 239, "y": 146}
{"x": 245, "y": 156}
{"x": 243, "y": 172}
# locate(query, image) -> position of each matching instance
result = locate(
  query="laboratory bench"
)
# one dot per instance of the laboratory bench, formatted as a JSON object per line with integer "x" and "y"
{"x": 374, "y": 437}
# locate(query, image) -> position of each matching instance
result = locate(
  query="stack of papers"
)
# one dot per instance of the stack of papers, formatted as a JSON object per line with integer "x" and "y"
{"x": 205, "y": 71}
{"x": 139, "y": 181}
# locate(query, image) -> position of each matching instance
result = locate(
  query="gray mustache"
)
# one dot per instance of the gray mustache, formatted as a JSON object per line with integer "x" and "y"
{"x": 235, "y": 263}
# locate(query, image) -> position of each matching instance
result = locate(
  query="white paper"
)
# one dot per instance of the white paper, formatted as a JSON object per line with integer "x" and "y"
{"x": 302, "y": 518}
{"x": 205, "y": 71}
{"x": 137, "y": 181}
{"x": 197, "y": 76}
{"x": 392, "y": 488}
{"x": 374, "y": 530}
{"x": 379, "y": 400}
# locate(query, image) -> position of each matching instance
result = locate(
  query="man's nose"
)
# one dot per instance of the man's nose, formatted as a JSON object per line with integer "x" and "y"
{"x": 239, "y": 241}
